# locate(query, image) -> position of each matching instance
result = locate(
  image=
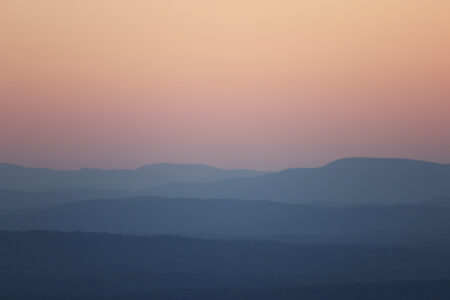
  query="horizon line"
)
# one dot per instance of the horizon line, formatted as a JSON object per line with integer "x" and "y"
{"x": 223, "y": 168}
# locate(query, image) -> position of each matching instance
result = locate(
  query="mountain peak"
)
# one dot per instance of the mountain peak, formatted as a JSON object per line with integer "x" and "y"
{"x": 379, "y": 161}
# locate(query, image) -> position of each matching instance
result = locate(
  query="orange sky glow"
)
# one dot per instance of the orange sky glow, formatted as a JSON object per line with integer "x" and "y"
{"x": 237, "y": 84}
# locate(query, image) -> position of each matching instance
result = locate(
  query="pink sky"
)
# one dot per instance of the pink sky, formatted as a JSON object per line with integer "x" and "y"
{"x": 248, "y": 84}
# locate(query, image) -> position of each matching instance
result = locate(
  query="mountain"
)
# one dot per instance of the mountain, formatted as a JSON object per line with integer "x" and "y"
{"x": 346, "y": 181}
{"x": 14, "y": 177}
{"x": 351, "y": 181}
{"x": 12, "y": 199}
{"x": 52, "y": 265}
{"x": 239, "y": 218}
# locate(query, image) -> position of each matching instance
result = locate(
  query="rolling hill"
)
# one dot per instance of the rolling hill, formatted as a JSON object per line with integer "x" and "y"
{"x": 77, "y": 264}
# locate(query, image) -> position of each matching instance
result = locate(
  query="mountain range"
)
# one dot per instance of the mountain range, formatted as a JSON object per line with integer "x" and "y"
{"x": 238, "y": 219}
{"x": 14, "y": 177}
{"x": 352, "y": 181}
{"x": 16, "y": 199}
{"x": 348, "y": 181}
{"x": 356, "y": 228}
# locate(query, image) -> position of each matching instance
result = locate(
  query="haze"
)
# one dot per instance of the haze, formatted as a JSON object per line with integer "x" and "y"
{"x": 255, "y": 84}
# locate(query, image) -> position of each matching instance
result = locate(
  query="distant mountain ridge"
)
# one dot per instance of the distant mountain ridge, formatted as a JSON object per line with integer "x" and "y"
{"x": 350, "y": 180}
{"x": 347, "y": 181}
{"x": 197, "y": 217}
{"x": 16, "y": 199}
{"x": 15, "y": 177}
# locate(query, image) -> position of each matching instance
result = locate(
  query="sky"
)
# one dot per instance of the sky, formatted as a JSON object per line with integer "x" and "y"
{"x": 263, "y": 84}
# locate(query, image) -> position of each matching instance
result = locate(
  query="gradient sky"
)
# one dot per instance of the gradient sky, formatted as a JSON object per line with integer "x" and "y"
{"x": 237, "y": 83}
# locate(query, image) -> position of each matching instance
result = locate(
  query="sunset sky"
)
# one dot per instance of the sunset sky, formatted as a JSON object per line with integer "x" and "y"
{"x": 236, "y": 84}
